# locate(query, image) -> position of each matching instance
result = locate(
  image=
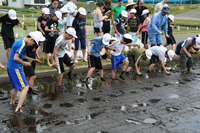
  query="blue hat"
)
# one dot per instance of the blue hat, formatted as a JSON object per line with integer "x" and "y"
{"x": 166, "y": 9}
{"x": 121, "y": 0}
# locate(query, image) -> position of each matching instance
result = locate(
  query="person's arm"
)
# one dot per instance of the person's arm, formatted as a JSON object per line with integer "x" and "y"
{"x": 85, "y": 31}
{"x": 137, "y": 68}
{"x": 193, "y": 51}
{"x": 185, "y": 50}
{"x": 163, "y": 66}
{"x": 134, "y": 45}
{"x": 21, "y": 25}
{"x": 29, "y": 58}
{"x": 89, "y": 43}
{"x": 17, "y": 59}
{"x": 123, "y": 50}
{"x": 115, "y": 24}
{"x": 65, "y": 26}
{"x": 145, "y": 24}
{"x": 39, "y": 27}
{"x": 165, "y": 27}
{"x": 55, "y": 54}
{"x": 99, "y": 14}
{"x": 153, "y": 23}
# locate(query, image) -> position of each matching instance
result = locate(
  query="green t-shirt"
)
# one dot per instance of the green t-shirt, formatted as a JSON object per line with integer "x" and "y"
{"x": 117, "y": 11}
{"x": 136, "y": 52}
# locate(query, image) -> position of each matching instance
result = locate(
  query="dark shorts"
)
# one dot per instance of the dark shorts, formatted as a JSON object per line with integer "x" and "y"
{"x": 8, "y": 41}
{"x": 131, "y": 59}
{"x": 185, "y": 61}
{"x": 98, "y": 30}
{"x": 171, "y": 40}
{"x": 30, "y": 70}
{"x": 104, "y": 56}
{"x": 94, "y": 62}
{"x": 41, "y": 43}
{"x": 49, "y": 45}
{"x": 144, "y": 37}
{"x": 154, "y": 59}
{"x": 106, "y": 27}
{"x": 60, "y": 61}
{"x": 83, "y": 43}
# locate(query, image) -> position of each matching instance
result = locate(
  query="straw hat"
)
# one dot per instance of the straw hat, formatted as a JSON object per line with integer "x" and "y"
{"x": 130, "y": 3}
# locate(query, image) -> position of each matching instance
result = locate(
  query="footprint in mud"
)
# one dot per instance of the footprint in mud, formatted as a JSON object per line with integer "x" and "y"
{"x": 82, "y": 100}
{"x": 97, "y": 99}
{"x": 147, "y": 88}
{"x": 47, "y": 106}
{"x": 68, "y": 105}
{"x": 156, "y": 85}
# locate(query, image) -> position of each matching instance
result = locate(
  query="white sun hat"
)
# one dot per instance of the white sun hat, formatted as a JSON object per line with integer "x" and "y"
{"x": 58, "y": 14}
{"x": 45, "y": 10}
{"x": 12, "y": 14}
{"x": 106, "y": 38}
{"x": 130, "y": 3}
{"x": 128, "y": 36}
{"x": 145, "y": 12}
{"x": 148, "y": 53}
{"x": 71, "y": 31}
{"x": 42, "y": 38}
{"x": 171, "y": 17}
{"x": 35, "y": 36}
{"x": 124, "y": 13}
{"x": 171, "y": 54}
{"x": 82, "y": 11}
{"x": 133, "y": 11}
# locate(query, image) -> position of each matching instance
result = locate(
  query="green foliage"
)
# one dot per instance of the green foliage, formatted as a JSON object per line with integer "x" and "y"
{"x": 72, "y": 83}
{"x": 53, "y": 76}
{"x": 80, "y": 74}
{"x": 125, "y": 53}
{"x": 139, "y": 81}
{"x": 30, "y": 60}
{"x": 43, "y": 59}
{"x": 25, "y": 27}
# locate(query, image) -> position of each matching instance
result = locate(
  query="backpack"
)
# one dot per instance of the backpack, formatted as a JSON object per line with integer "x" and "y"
{"x": 179, "y": 46}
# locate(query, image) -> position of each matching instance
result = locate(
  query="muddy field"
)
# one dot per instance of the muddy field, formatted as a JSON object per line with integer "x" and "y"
{"x": 154, "y": 102}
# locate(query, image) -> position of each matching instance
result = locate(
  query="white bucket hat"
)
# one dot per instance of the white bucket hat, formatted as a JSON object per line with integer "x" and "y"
{"x": 12, "y": 14}
{"x": 106, "y": 38}
{"x": 128, "y": 36}
{"x": 42, "y": 38}
{"x": 145, "y": 12}
{"x": 171, "y": 54}
{"x": 58, "y": 14}
{"x": 64, "y": 10}
{"x": 45, "y": 10}
{"x": 71, "y": 31}
{"x": 133, "y": 11}
{"x": 35, "y": 36}
{"x": 171, "y": 17}
{"x": 82, "y": 11}
{"x": 148, "y": 53}
{"x": 130, "y": 3}
{"x": 124, "y": 13}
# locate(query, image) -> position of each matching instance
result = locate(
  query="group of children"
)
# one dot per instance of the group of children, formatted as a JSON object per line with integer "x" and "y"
{"x": 55, "y": 42}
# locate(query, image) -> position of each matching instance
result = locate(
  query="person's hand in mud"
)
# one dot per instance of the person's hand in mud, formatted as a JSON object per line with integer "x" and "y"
{"x": 168, "y": 73}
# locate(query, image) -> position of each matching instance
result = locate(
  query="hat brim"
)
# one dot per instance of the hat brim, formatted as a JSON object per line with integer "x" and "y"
{"x": 74, "y": 36}
{"x": 170, "y": 58}
{"x": 83, "y": 13}
{"x": 42, "y": 39}
{"x": 106, "y": 43}
{"x": 148, "y": 57}
{"x": 125, "y": 16}
{"x": 130, "y": 4}
{"x": 13, "y": 18}
{"x": 166, "y": 11}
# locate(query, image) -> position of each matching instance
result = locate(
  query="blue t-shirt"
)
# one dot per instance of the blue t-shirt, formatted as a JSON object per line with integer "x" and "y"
{"x": 79, "y": 24}
{"x": 97, "y": 46}
{"x": 120, "y": 25}
{"x": 18, "y": 46}
{"x": 61, "y": 25}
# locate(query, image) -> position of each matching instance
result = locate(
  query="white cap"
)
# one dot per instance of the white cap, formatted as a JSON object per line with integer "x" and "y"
{"x": 198, "y": 41}
{"x": 145, "y": 12}
{"x": 82, "y": 11}
{"x": 58, "y": 14}
{"x": 35, "y": 36}
{"x": 148, "y": 53}
{"x": 42, "y": 38}
{"x": 128, "y": 36}
{"x": 171, "y": 54}
{"x": 171, "y": 17}
{"x": 45, "y": 10}
{"x": 64, "y": 10}
{"x": 133, "y": 11}
{"x": 113, "y": 39}
{"x": 12, "y": 14}
{"x": 71, "y": 31}
{"x": 124, "y": 13}
{"x": 106, "y": 38}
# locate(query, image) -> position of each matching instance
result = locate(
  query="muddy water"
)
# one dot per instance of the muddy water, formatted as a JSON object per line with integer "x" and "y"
{"x": 74, "y": 105}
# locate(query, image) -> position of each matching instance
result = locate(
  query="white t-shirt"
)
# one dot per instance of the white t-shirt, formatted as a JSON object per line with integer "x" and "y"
{"x": 159, "y": 51}
{"x": 118, "y": 47}
{"x": 61, "y": 43}
{"x": 159, "y": 6}
{"x": 71, "y": 7}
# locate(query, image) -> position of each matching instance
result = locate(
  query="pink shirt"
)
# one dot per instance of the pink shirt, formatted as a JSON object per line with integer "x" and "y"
{"x": 145, "y": 28}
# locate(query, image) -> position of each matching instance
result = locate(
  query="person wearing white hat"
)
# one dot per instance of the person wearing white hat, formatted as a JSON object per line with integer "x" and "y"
{"x": 160, "y": 5}
{"x": 170, "y": 40}
{"x": 62, "y": 23}
{"x": 79, "y": 24}
{"x": 134, "y": 57}
{"x": 140, "y": 8}
{"x": 41, "y": 23}
{"x": 120, "y": 24}
{"x": 186, "y": 60}
{"x": 8, "y": 22}
{"x": 144, "y": 27}
{"x": 134, "y": 26}
{"x": 30, "y": 56}
{"x": 160, "y": 53}
{"x": 51, "y": 34}
{"x": 129, "y": 6}
{"x": 61, "y": 56}
{"x": 117, "y": 56}
{"x": 14, "y": 68}
{"x": 94, "y": 56}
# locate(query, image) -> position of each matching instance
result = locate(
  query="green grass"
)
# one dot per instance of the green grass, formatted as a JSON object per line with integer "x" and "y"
{"x": 188, "y": 22}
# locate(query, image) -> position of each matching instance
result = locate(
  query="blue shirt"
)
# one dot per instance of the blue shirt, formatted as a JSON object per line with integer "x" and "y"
{"x": 61, "y": 25}
{"x": 157, "y": 21}
{"x": 18, "y": 46}
{"x": 79, "y": 24}
{"x": 97, "y": 46}
{"x": 120, "y": 25}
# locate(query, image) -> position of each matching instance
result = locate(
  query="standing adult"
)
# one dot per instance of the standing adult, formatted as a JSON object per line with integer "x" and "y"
{"x": 159, "y": 20}
{"x": 72, "y": 8}
{"x": 117, "y": 9}
{"x": 129, "y": 6}
{"x": 107, "y": 11}
{"x": 140, "y": 8}
{"x": 160, "y": 5}
{"x": 53, "y": 7}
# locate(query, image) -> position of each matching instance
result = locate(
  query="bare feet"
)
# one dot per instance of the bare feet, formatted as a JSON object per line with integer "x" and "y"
{"x": 75, "y": 61}
{"x": 85, "y": 60}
